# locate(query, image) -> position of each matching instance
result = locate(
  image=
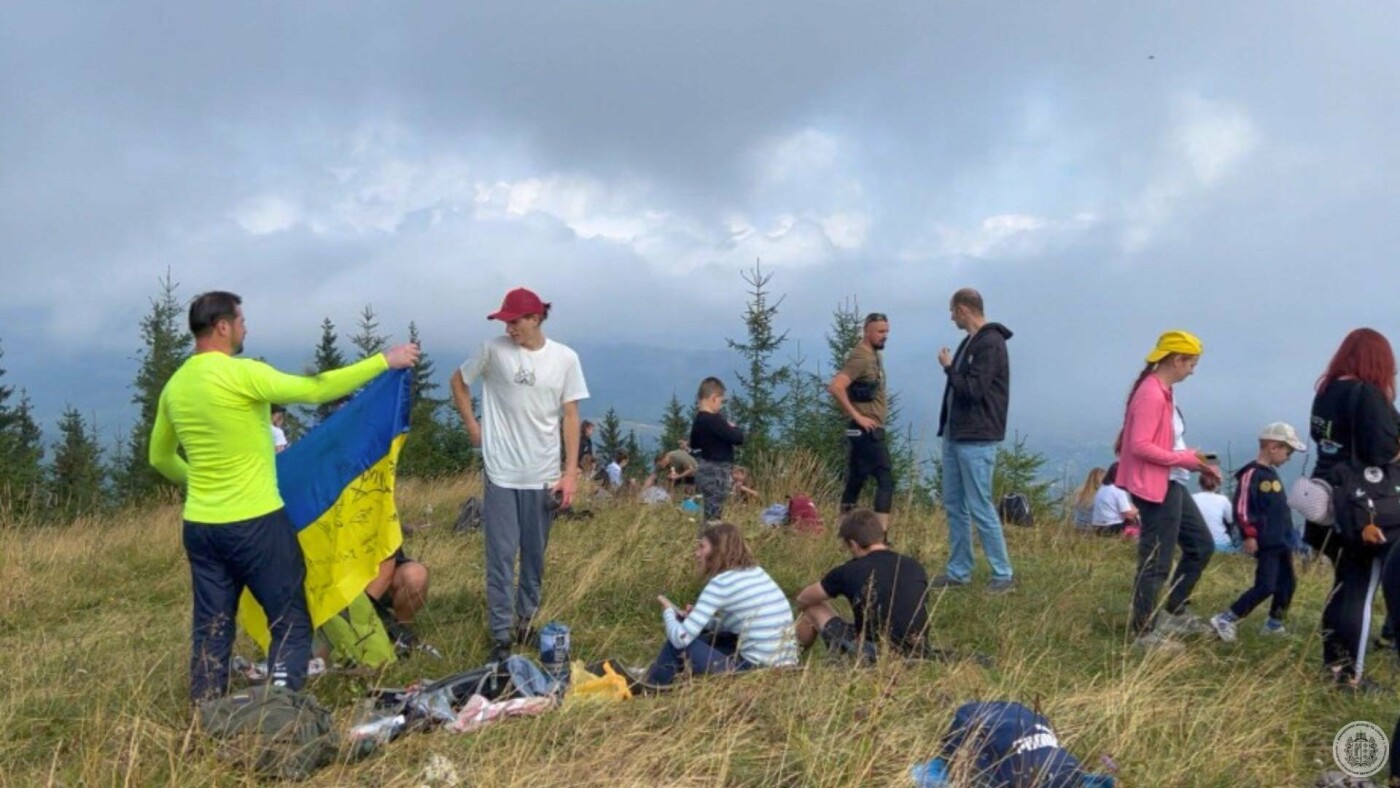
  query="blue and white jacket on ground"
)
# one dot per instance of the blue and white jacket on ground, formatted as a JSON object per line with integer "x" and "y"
{"x": 745, "y": 602}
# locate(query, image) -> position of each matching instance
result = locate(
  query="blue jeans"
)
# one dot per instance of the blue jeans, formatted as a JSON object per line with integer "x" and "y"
{"x": 967, "y": 499}
{"x": 703, "y": 655}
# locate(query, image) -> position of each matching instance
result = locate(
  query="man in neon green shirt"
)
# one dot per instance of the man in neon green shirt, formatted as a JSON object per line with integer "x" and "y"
{"x": 236, "y": 532}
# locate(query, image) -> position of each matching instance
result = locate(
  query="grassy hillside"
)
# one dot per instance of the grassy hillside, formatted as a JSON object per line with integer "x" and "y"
{"x": 94, "y": 625}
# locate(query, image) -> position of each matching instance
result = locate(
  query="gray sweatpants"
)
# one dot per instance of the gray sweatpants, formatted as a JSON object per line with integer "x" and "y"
{"x": 712, "y": 479}
{"x": 516, "y": 522}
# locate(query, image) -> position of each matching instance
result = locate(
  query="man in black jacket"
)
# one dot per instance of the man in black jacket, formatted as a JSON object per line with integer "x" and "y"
{"x": 972, "y": 423}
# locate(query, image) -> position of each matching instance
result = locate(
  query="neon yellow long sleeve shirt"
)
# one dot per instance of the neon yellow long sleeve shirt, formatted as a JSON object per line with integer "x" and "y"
{"x": 217, "y": 408}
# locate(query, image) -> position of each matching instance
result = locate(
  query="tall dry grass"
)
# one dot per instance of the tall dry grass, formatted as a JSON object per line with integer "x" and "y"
{"x": 93, "y": 649}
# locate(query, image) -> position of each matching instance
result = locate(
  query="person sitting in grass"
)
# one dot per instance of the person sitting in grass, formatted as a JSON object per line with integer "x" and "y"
{"x": 741, "y": 620}
{"x": 1084, "y": 499}
{"x": 677, "y": 465}
{"x": 739, "y": 481}
{"x": 1261, "y": 508}
{"x": 1113, "y": 512}
{"x": 615, "y": 469}
{"x": 886, "y": 590}
{"x": 1218, "y": 513}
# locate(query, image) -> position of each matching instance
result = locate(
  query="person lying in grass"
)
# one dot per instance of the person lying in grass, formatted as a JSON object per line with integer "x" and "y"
{"x": 741, "y": 620}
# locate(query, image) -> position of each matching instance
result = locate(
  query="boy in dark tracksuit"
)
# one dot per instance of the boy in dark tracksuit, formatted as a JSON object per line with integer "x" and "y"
{"x": 1261, "y": 510}
{"x": 712, "y": 441}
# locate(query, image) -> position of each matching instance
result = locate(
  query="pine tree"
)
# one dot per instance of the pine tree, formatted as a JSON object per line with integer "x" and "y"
{"x": 759, "y": 403}
{"x": 675, "y": 426}
{"x": 21, "y": 456}
{"x": 423, "y": 385}
{"x": 165, "y": 345}
{"x": 326, "y": 358}
{"x": 609, "y": 437}
{"x": 633, "y": 447}
{"x": 328, "y": 355}
{"x": 368, "y": 340}
{"x": 76, "y": 477}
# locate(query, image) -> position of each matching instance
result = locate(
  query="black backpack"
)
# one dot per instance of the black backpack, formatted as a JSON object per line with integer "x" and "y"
{"x": 1015, "y": 509}
{"x": 1363, "y": 496}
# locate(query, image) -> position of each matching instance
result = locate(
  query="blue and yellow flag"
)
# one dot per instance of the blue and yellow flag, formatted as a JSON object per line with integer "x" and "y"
{"x": 338, "y": 486}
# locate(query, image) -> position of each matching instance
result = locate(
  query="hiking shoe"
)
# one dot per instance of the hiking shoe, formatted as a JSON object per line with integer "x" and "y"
{"x": 500, "y": 650}
{"x": 1000, "y": 585}
{"x": 946, "y": 581}
{"x": 1156, "y": 641}
{"x": 1361, "y": 686}
{"x": 1182, "y": 624}
{"x": 1274, "y": 630}
{"x": 1224, "y": 627}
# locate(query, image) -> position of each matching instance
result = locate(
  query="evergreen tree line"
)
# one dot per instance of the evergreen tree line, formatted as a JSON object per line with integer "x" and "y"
{"x": 780, "y": 401}
{"x": 77, "y": 475}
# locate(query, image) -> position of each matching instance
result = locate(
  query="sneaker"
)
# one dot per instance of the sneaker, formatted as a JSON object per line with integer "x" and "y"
{"x": 946, "y": 581}
{"x": 1361, "y": 686}
{"x": 1274, "y": 630}
{"x": 1156, "y": 641}
{"x": 1000, "y": 585}
{"x": 1223, "y": 627}
{"x": 1182, "y": 624}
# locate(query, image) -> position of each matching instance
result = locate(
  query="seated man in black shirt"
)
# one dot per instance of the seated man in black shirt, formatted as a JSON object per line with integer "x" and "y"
{"x": 886, "y": 591}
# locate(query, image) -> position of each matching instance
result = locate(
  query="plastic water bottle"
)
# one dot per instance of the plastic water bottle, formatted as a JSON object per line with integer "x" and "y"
{"x": 554, "y": 651}
{"x": 379, "y": 731}
{"x": 931, "y": 774}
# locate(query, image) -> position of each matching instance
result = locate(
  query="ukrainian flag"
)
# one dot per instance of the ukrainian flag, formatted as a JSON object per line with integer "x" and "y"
{"x": 338, "y": 486}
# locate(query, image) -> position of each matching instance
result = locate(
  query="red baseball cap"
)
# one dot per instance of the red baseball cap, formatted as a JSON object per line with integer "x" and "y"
{"x": 517, "y": 304}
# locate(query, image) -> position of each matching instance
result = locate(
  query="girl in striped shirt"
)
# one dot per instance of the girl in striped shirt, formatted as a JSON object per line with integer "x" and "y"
{"x": 741, "y": 621}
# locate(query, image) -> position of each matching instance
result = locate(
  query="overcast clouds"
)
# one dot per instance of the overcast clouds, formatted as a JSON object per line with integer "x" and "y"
{"x": 1101, "y": 171}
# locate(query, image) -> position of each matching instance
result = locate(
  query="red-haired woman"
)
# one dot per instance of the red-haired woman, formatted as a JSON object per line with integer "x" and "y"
{"x": 1353, "y": 421}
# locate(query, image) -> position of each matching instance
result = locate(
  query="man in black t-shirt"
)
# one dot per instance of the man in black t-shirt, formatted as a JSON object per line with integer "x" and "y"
{"x": 886, "y": 591}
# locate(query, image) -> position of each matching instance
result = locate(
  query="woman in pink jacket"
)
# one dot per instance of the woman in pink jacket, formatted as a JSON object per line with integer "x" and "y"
{"x": 1147, "y": 457}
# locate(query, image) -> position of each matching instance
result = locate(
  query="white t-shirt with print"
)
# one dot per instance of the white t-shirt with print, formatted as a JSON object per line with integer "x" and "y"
{"x": 1110, "y": 502}
{"x": 522, "y": 395}
{"x": 1218, "y": 512}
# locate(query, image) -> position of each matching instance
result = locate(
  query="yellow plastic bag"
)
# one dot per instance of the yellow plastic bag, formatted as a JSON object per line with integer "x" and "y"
{"x": 585, "y": 686}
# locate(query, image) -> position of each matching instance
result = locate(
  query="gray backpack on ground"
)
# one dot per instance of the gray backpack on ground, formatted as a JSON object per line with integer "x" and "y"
{"x": 468, "y": 517}
{"x": 272, "y": 731}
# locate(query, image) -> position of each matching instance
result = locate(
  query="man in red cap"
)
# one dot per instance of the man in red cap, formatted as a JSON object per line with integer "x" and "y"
{"x": 527, "y": 380}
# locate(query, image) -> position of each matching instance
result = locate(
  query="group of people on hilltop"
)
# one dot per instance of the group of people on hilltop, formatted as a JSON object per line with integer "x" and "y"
{"x": 214, "y": 434}
{"x": 1354, "y": 426}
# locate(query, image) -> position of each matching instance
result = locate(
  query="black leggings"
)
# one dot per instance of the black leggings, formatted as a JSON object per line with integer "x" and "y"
{"x": 1346, "y": 620}
{"x": 868, "y": 456}
{"x": 1174, "y": 521}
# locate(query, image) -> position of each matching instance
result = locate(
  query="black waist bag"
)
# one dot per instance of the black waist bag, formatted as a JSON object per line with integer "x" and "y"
{"x": 862, "y": 391}
{"x": 1366, "y": 496}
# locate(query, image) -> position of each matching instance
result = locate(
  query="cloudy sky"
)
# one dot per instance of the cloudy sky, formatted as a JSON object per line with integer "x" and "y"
{"x": 1102, "y": 172}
